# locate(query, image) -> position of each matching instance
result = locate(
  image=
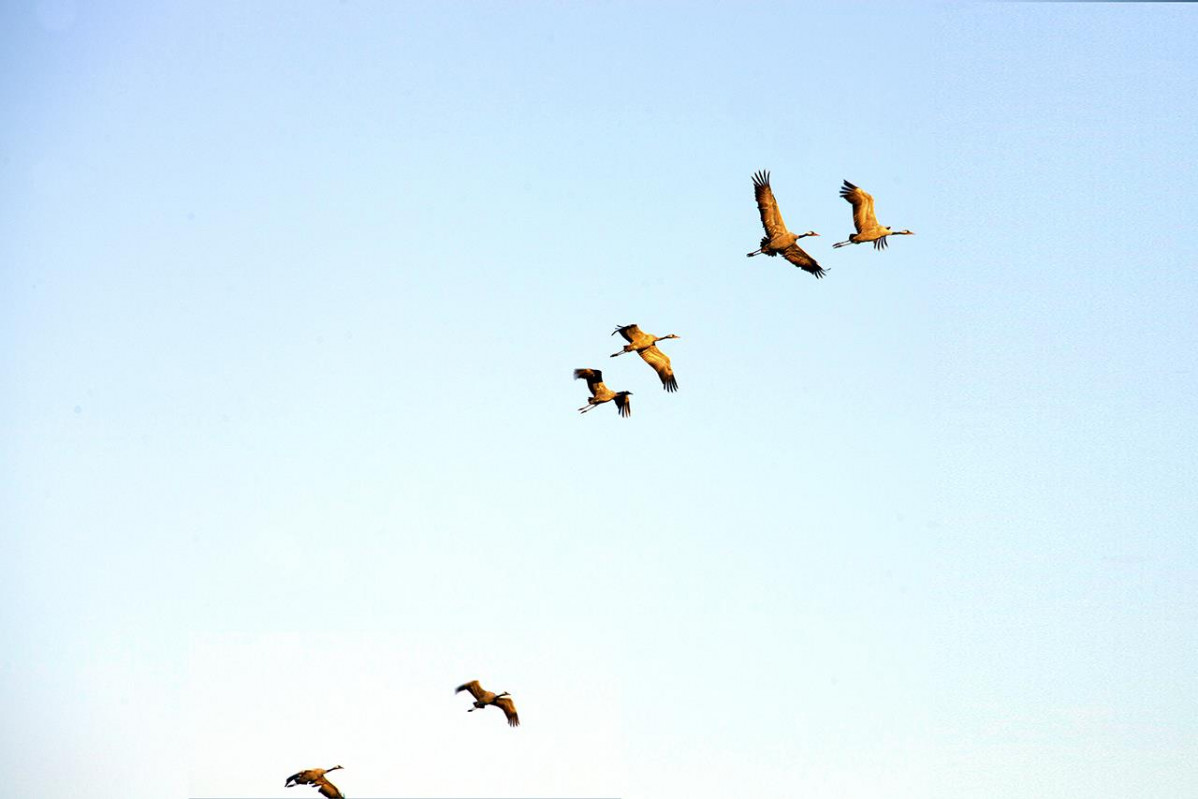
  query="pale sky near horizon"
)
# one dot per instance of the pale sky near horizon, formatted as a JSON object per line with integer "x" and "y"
{"x": 290, "y": 297}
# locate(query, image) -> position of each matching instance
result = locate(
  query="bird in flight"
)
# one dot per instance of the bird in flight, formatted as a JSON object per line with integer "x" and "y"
{"x": 315, "y": 776}
{"x": 864, "y": 220}
{"x": 777, "y": 239}
{"x": 645, "y": 345}
{"x": 482, "y": 698}
{"x": 601, "y": 393}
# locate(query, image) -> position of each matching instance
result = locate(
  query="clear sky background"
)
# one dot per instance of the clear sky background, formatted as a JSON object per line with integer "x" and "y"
{"x": 290, "y": 296}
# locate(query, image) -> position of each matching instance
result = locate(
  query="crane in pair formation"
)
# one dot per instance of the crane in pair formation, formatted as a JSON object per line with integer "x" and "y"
{"x": 778, "y": 239}
{"x": 482, "y": 698}
{"x": 643, "y": 344}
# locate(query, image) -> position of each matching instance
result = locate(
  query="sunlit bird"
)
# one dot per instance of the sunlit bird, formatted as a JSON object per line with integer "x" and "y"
{"x": 777, "y": 238}
{"x": 601, "y": 394}
{"x": 483, "y": 698}
{"x": 315, "y": 776}
{"x": 864, "y": 220}
{"x": 645, "y": 345}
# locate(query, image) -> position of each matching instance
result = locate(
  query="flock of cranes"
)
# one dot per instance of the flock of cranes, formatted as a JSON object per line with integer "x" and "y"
{"x": 482, "y": 698}
{"x": 778, "y": 240}
{"x": 643, "y": 344}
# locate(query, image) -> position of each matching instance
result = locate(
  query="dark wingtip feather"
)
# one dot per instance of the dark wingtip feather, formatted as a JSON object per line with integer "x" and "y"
{"x": 811, "y": 268}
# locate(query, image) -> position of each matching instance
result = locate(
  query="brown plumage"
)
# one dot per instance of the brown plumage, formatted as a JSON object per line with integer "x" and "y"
{"x": 328, "y": 789}
{"x": 645, "y": 345}
{"x": 315, "y": 776}
{"x": 864, "y": 220}
{"x": 779, "y": 240}
{"x": 601, "y": 393}
{"x": 482, "y": 698}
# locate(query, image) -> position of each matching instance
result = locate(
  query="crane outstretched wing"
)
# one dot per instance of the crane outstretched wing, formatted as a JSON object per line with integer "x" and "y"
{"x": 661, "y": 364}
{"x": 863, "y": 206}
{"x": 508, "y": 707}
{"x": 623, "y": 404}
{"x": 305, "y": 777}
{"x": 328, "y": 789}
{"x": 594, "y": 379}
{"x": 767, "y": 206}
{"x": 473, "y": 687}
{"x": 630, "y": 332}
{"x": 797, "y": 256}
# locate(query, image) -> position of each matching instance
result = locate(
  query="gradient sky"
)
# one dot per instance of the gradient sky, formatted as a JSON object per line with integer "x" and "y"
{"x": 290, "y": 295}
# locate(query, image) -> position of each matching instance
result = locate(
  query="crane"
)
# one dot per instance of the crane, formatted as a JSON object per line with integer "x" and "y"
{"x": 777, "y": 239}
{"x": 864, "y": 220}
{"x": 316, "y": 776}
{"x": 645, "y": 345}
{"x": 482, "y": 698}
{"x": 601, "y": 393}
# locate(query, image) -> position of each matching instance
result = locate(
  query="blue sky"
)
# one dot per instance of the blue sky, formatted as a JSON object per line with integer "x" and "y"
{"x": 291, "y": 294}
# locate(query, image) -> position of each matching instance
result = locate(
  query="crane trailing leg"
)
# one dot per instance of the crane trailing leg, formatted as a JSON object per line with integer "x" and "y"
{"x": 764, "y": 243}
